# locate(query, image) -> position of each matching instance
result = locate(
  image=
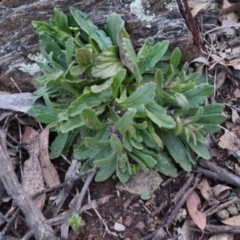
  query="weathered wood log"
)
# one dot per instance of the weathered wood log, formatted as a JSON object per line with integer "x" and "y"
{"x": 158, "y": 19}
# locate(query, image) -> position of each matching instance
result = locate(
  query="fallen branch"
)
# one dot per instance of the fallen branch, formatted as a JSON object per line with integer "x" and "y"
{"x": 173, "y": 214}
{"x": 182, "y": 196}
{"x": 218, "y": 173}
{"x": 222, "y": 206}
{"x": 212, "y": 229}
{"x": 33, "y": 216}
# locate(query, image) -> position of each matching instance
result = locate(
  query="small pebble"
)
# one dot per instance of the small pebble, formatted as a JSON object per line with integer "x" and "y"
{"x": 140, "y": 225}
{"x": 128, "y": 221}
{"x": 119, "y": 227}
{"x": 115, "y": 215}
{"x": 152, "y": 226}
{"x": 136, "y": 205}
{"x": 233, "y": 210}
{"x": 223, "y": 214}
{"x": 182, "y": 215}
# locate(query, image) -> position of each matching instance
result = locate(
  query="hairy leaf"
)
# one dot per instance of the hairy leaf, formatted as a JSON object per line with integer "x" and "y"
{"x": 114, "y": 24}
{"x": 91, "y": 120}
{"x": 175, "y": 57}
{"x": 126, "y": 49}
{"x": 199, "y": 149}
{"x": 106, "y": 161}
{"x": 159, "y": 116}
{"x": 125, "y": 121}
{"x": 116, "y": 143}
{"x": 58, "y": 144}
{"x": 88, "y": 100}
{"x": 145, "y": 158}
{"x": 106, "y": 172}
{"x": 91, "y": 142}
{"x": 152, "y": 56}
{"x": 107, "y": 64}
{"x": 101, "y": 87}
{"x": 99, "y": 36}
{"x": 117, "y": 81}
{"x": 178, "y": 151}
{"x": 142, "y": 95}
{"x": 198, "y": 94}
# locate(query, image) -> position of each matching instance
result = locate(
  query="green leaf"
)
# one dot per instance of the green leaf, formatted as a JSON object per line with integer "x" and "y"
{"x": 152, "y": 56}
{"x": 141, "y": 111}
{"x": 70, "y": 50}
{"x": 169, "y": 75}
{"x": 128, "y": 56}
{"x": 43, "y": 114}
{"x": 154, "y": 135}
{"x": 199, "y": 149}
{"x": 99, "y": 36}
{"x": 91, "y": 120}
{"x": 91, "y": 142}
{"x": 175, "y": 58}
{"x": 88, "y": 100}
{"x": 71, "y": 123}
{"x": 134, "y": 143}
{"x": 210, "y": 128}
{"x": 106, "y": 161}
{"x": 71, "y": 137}
{"x": 84, "y": 58}
{"x": 126, "y": 143}
{"x": 141, "y": 126}
{"x": 53, "y": 51}
{"x": 117, "y": 81}
{"x": 182, "y": 102}
{"x": 211, "y": 119}
{"x": 178, "y": 151}
{"x": 195, "y": 118}
{"x": 213, "y": 108}
{"x": 58, "y": 144}
{"x": 112, "y": 115}
{"x": 107, "y": 64}
{"x": 122, "y": 176}
{"x": 125, "y": 121}
{"x": 159, "y": 82}
{"x": 148, "y": 139}
{"x": 105, "y": 172}
{"x": 142, "y": 95}
{"x": 144, "y": 48}
{"x": 159, "y": 116}
{"x": 208, "y": 109}
{"x": 165, "y": 165}
{"x": 116, "y": 143}
{"x": 60, "y": 20}
{"x": 114, "y": 24}
{"x": 101, "y": 87}
{"x": 138, "y": 161}
{"x": 122, "y": 163}
{"x": 198, "y": 94}
{"x": 146, "y": 159}
{"x": 193, "y": 77}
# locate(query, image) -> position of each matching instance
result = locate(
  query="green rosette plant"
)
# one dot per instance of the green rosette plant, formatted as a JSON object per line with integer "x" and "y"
{"x": 117, "y": 108}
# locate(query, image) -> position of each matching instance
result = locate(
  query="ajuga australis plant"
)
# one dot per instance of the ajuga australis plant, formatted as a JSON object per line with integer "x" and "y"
{"x": 116, "y": 108}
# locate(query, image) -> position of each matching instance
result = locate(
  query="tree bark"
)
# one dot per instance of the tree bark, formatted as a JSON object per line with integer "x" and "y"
{"x": 18, "y": 38}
